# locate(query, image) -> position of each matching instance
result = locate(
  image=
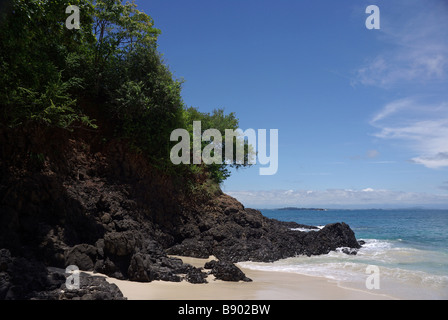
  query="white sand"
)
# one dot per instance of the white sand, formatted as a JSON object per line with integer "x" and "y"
{"x": 266, "y": 285}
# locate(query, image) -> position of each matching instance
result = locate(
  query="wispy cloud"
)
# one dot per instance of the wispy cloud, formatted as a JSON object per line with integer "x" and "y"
{"x": 413, "y": 54}
{"x": 417, "y": 46}
{"x": 392, "y": 108}
{"x": 387, "y": 70}
{"x": 422, "y": 127}
{"x": 348, "y": 198}
{"x": 436, "y": 161}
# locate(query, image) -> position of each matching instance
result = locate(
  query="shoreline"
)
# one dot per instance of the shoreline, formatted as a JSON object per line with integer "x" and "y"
{"x": 266, "y": 285}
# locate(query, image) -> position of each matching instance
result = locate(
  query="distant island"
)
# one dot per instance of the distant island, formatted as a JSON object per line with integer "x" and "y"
{"x": 302, "y": 209}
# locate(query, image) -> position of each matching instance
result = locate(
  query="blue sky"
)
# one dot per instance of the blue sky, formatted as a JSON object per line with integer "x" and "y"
{"x": 362, "y": 114}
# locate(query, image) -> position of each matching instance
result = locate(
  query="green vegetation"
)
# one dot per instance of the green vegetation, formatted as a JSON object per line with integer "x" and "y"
{"x": 109, "y": 68}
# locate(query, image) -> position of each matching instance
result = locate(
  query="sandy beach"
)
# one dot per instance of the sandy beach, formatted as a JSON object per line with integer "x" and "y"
{"x": 266, "y": 285}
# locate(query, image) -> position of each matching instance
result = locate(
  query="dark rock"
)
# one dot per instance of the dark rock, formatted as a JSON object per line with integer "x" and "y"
{"x": 5, "y": 259}
{"x": 174, "y": 264}
{"x": 361, "y": 242}
{"x": 340, "y": 234}
{"x": 5, "y": 285}
{"x": 195, "y": 275}
{"x": 126, "y": 224}
{"x": 155, "y": 249}
{"x": 192, "y": 248}
{"x": 350, "y": 251}
{"x": 90, "y": 288}
{"x": 108, "y": 267}
{"x": 190, "y": 230}
{"x": 121, "y": 243}
{"x": 22, "y": 278}
{"x": 143, "y": 268}
{"x": 210, "y": 264}
{"x": 139, "y": 268}
{"x": 232, "y": 233}
{"x": 5, "y": 278}
{"x": 100, "y": 247}
{"x": 82, "y": 256}
{"x": 227, "y": 271}
{"x": 329, "y": 238}
{"x": 106, "y": 218}
{"x": 101, "y": 206}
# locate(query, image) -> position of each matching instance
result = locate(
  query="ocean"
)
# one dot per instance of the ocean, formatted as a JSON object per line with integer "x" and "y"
{"x": 408, "y": 249}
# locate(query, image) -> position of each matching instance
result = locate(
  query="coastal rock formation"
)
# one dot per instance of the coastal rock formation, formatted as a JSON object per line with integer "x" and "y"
{"x": 103, "y": 208}
{"x": 22, "y": 278}
{"x": 91, "y": 288}
{"x": 232, "y": 233}
{"x": 226, "y": 271}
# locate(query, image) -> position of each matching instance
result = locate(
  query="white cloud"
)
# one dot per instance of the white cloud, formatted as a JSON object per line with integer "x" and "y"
{"x": 437, "y": 161}
{"x": 391, "y": 108}
{"x": 348, "y": 198}
{"x": 417, "y": 46}
{"x": 413, "y": 56}
{"x": 398, "y": 68}
{"x": 421, "y": 127}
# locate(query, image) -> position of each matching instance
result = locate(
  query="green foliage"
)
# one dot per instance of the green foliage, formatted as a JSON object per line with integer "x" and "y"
{"x": 220, "y": 121}
{"x": 146, "y": 102}
{"x": 136, "y": 89}
{"x": 49, "y": 74}
{"x": 34, "y": 83}
{"x": 121, "y": 28}
{"x": 52, "y": 107}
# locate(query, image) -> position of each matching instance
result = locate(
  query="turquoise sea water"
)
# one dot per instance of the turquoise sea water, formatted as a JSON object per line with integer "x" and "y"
{"x": 409, "y": 247}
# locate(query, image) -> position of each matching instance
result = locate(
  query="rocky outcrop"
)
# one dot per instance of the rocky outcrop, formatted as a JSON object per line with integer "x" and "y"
{"x": 103, "y": 208}
{"x": 226, "y": 271}
{"x": 90, "y": 288}
{"x": 232, "y": 233}
{"x": 22, "y": 278}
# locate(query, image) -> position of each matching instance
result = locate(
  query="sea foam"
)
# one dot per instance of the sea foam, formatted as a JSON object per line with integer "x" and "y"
{"x": 400, "y": 269}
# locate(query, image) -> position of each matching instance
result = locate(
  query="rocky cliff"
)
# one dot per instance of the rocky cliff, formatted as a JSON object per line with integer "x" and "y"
{"x": 78, "y": 199}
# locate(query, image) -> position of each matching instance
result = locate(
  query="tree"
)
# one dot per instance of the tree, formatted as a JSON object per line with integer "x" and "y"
{"x": 36, "y": 52}
{"x": 54, "y": 76}
{"x": 218, "y": 172}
